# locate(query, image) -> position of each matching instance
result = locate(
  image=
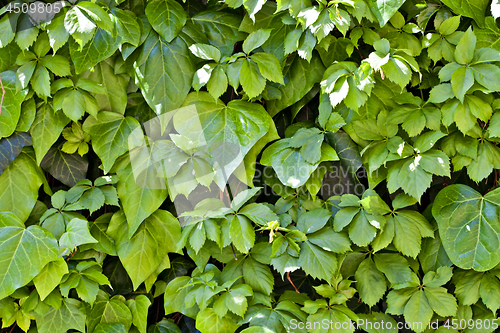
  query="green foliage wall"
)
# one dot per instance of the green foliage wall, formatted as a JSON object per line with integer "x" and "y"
{"x": 368, "y": 133}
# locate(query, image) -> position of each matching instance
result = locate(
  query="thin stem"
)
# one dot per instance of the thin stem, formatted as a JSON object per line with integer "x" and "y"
{"x": 234, "y": 253}
{"x": 3, "y": 94}
{"x": 13, "y": 326}
{"x": 291, "y": 282}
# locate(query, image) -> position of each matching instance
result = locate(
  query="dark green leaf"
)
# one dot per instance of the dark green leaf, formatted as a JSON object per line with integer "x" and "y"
{"x": 69, "y": 169}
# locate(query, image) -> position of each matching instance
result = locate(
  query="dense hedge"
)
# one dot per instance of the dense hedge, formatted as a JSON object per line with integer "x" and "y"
{"x": 250, "y": 166}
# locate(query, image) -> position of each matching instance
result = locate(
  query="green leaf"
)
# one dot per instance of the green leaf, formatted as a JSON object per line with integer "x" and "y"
{"x": 164, "y": 73}
{"x": 317, "y": 262}
{"x": 27, "y": 115}
{"x": 487, "y": 158}
{"x": 110, "y": 328}
{"x": 335, "y": 314}
{"x": 98, "y": 229}
{"x": 26, "y": 32}
{"x": 437, "y": 278}
{"x": 258, "y": 213}
{"x": 269, "y": 66}
{"x": 217, "y": 84}
{"x": 258, "y": 276}
{"x": 110, "y": 136}
{"x": 114, "y": 97}
{"x": 414, "y": 175}
{"x": 489, "y": 35}
{"x": 73, "y": 104}
{"x": 468, "y": 228}
{"x": 465, "y": 48}
{"x": 288, "y": 163}
{"x": 256, "y": 329}
{"x": 309, "y": 141}
{"x": 433, "y": 255}
{"x": 68, "y": 316}
{"x": 127, "y": 26}
{"x": 385, "y": 9}
{"x": 490, "y": 291}
{"x": 241, "y": 233}
{"x": 361, "y": 229}
{"x": 469, "y": 8}
{"x": 440, "y": 301}
{"x": 220, "y": 28}
{"x": 50, "y": 277}
{"x": 240, "y": 124}
{"x": 370, "y": 282}
{"x": 11, "y": 107}
{"x": 101, "y": 46}
{"x": 145, "y": 250}
{"x": 487, "y": 76}
{"x": 255, "y": 40}
{"x": 69, "y": 169}
{"x": 300, "y": 77}
{"x": 139, "y": 307}
{"x": 46, "y": 129}
{"x": 441, "y": 93}
{"x": 461, "y": 80}
{"x": 251, "y": 80}
{"x": 17, "y": 199}
{"x": 7, "y": 33}
{"x": 410, "y": 227}
{"x": 208, "y": 321}
{"x": 394, "y": 266}
{"x": 494, "y": 126}
{"x": 166, "y": 326}
{"x": 330, "y": 240}
{"x": 175, "y": 302}
{"x": 11, "y": 147}
{"x": 92, "y": 199}
{"x": 8, "y": 57}
{"x": 418, "y": 310}
{"x": 58, "y": 35}
{"x": 19, "y": 246}
{"x": 77, "y": 233}
{"x": 313, "y": 220}
{"x": 167, "y": 17}
{"x": 252, "y": 7}
{"x": 139, "y": 197}
{"x": 205, "y": 51}
{"x": 467, "y": 284}
{"x": 56, "y": 64}
{"x": 397, "y": 71}
{"x": 109, "y": 311}
{"x": 233, "y": 300}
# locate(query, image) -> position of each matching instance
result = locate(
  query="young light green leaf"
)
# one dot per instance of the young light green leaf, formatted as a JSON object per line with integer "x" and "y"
{"x": 77, "y": 233}
{"x": 255, "y": 40}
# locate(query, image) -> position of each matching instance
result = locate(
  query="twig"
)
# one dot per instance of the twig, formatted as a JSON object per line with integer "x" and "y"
{"x": 360, "y": 53}
{"x": 13, "y": 326}
{"x": 234, "y": 253}
{"x": 3, "y": 93}
{"x": 291, "y": 282}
